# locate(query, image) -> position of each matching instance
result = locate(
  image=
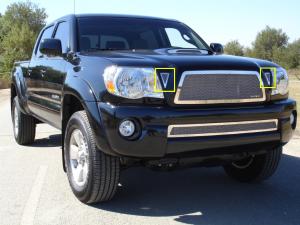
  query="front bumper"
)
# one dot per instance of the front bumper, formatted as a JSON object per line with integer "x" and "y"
{"x": 154, "y": 122}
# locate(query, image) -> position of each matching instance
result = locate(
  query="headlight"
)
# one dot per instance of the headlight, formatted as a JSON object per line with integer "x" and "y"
{"x": 131, "y": 82}
{"x": 282, "y": 85}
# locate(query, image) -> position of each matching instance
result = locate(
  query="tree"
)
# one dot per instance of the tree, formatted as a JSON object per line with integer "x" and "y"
{"x": 293, "y": 54}
{"x": 18, "y": 46}
{"x": 234, "y": 48}
{"x": 249, "y": 52}
{"x": 19, "y": 27}
{"x": 268, "y": 41}
{"x": 27, "y": 12}
{"x": 1, "y": 30}
{"x": 288, "y": 57}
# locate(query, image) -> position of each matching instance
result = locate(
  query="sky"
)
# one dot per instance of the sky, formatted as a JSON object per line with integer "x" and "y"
{"x": 214, "y": 20}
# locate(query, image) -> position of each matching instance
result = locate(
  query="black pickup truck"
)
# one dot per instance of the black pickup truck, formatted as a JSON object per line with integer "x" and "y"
{"x": 131, "y": 90}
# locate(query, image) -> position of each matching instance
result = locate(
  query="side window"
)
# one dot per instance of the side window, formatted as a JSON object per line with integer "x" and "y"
{"x": 62, "y": 33}
{"x": 47, "y": 33}
{"x": 177, "y": 39}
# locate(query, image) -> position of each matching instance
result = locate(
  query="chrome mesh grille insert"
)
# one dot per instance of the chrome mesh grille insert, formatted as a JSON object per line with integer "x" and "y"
{"x": 206, "y": 87}
{"x": 228, "y": 128}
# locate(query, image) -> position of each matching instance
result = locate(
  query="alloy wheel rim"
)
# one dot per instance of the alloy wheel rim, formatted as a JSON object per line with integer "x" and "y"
{"x": 78, "y": 153}
{"x": 16, "y": 121}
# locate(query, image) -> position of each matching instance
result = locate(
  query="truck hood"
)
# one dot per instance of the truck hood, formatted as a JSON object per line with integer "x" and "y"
{"x": 185, "y": 60}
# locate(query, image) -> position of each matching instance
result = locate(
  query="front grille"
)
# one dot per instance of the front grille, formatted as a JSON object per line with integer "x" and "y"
{"x": 227, "y": 128}
{"x": 207, "y": 87}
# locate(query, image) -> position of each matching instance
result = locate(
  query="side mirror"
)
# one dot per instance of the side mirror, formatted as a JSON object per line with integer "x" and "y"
{"x": 217, "y": 48}
{"x": 51, "y": 47}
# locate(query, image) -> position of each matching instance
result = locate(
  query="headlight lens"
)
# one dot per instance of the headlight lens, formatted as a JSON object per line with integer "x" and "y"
{"x": 282, "y": 86}
{"x": 131, "y": 82}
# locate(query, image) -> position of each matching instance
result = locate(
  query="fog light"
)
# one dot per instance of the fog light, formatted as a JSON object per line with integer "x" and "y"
{"x": 292, "y": 119}
{"x": 126, "y": 128}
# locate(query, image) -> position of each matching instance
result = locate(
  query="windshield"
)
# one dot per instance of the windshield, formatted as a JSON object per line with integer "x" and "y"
{"x": 121, "y": 33}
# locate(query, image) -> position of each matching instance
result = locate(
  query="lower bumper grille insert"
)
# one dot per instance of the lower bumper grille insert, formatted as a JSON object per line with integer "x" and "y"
{"x": 227, "y": 128}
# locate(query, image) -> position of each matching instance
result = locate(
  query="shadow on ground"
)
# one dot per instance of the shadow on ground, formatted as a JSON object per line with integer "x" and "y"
{"x": 51, "y": 141}
{"x": 208, "y": 196}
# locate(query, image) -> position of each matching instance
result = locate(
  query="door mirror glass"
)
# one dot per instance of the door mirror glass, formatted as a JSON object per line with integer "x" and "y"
{"x": 217, "y": 48}
{"x": 51, "y": 47}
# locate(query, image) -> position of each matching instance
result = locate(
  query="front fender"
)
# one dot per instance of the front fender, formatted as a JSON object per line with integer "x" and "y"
{"x": 18, "y": 81}
{"x": 79, "y": 88}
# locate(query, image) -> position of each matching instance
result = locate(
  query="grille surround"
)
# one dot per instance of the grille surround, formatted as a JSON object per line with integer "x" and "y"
{"x": 243, "y": 125}
{"x": 186, "y": 74}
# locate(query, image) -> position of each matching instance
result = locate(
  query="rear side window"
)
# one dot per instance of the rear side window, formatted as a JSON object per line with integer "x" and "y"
{"x": 47, "y": 33}
{"x": 62, "y": 33}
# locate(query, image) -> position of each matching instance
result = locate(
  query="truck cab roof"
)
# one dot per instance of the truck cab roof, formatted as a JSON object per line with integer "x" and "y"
{"x": 105, "y": 15}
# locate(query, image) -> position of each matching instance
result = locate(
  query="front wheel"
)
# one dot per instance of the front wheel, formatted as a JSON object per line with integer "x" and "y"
{"x": 255, "y": 168}
{"x": 93, "y": 175}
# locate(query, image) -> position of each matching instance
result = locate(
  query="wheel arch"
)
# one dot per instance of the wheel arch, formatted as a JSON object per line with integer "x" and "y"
{"x": 18, "y": 87}
{"x": 77, "y": 96}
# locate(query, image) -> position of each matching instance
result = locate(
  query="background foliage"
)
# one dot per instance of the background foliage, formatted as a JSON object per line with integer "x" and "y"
{"x": 19, "y": 27}
{"x": 270, "y": 44}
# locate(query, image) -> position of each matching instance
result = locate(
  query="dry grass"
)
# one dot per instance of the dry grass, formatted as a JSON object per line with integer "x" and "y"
{"x": 295, "y": 90}
{"x": 294, "y": 84}
{"x": 4, "y": 83}
{"x": 294, "y": 74}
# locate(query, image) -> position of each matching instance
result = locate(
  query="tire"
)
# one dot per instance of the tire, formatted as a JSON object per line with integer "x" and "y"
{"x": 256, "y": 168}
{"x": 23, "y": 125}
{"x": 98, "y": 175}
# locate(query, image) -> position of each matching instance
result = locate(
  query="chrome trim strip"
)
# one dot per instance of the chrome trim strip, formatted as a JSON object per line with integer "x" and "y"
{"x": 170, "y": 128}
{"x": 221, "y": 72}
